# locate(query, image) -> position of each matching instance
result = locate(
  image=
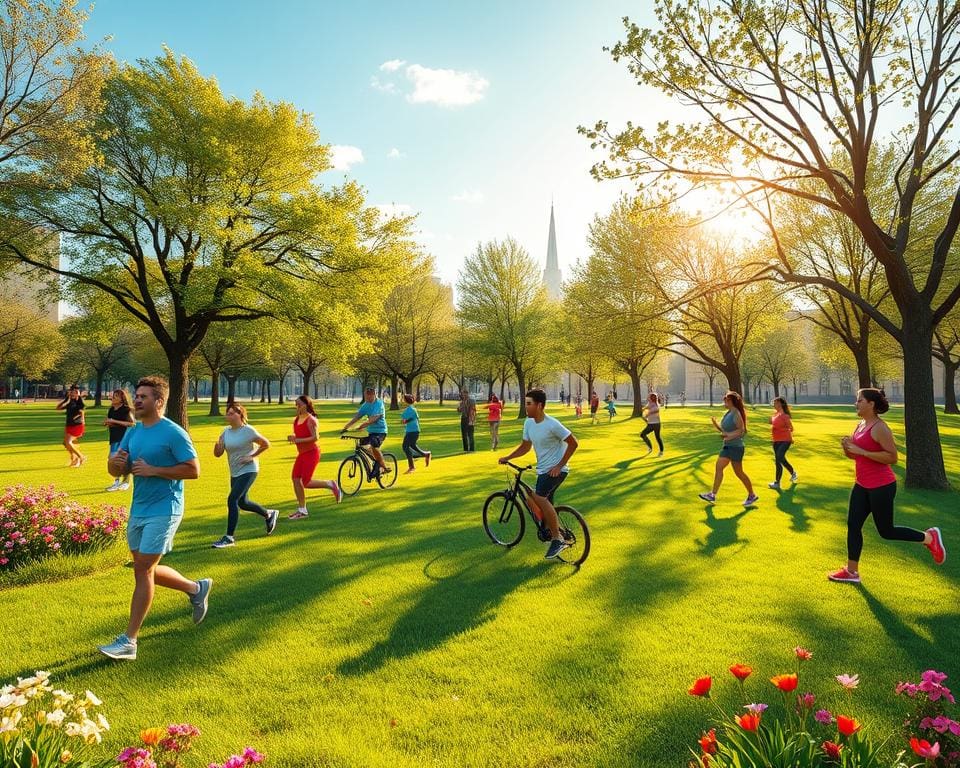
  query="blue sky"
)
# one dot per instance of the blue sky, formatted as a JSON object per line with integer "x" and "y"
{"x": 472, "y": 122}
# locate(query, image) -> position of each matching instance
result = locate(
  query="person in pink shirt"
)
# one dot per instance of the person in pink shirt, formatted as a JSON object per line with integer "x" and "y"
{"x": 873, "y": 450}
{"x": 494, "y": 414}
{"x": 782, "y": 428}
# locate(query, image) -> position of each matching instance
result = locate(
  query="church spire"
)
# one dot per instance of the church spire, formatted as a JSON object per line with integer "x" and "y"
{"x": 552, "y": 278}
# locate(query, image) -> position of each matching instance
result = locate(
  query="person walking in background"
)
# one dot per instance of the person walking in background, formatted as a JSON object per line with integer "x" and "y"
{"x": 73, "y": 404}
{"x": 160, "y": 456}
{"x": 611, "y": 407}
{"x": 242, "y": 444}
{"x": 732, "y": 428}
{"x": 652, "y": 416}
{"x": 411, "y": 423}
{"x": 119, "y": 420}
{"x": 782, "y": 429}
{"x": 579, "y": 407}
{"x": 873, "y": 451}
{"x": 494, "y": 414}
{"x": 468, "y": 420}
{"x": 594, "y": 407}
{"x": 308, "y": 456}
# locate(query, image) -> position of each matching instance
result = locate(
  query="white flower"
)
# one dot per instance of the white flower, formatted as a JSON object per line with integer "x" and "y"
{"x": 56, "y": 717}
{"x": 92, "y": 699}
{"x": 102, "y": 722}
{"x": 72, "y": 729}
{"x": 9, "y": 724}
{"x": 61, "y": 697}
{"x": 90, "y": 732}
{"x": 13, "y": 700}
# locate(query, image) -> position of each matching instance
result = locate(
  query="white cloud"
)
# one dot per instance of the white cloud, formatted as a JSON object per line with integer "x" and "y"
{"x": 392, "y": 66}
{"x": 379, "y": 85}
{"x": 395, "y": 153}
{"x": 395, "y": 210}
{"x": 445, "y": 87}
{"x": 342, "y": 156}
{"x": 471, "y": 196}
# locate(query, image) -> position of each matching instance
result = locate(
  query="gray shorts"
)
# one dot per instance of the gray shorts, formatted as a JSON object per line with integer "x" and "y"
{"x": 732, "y": 452}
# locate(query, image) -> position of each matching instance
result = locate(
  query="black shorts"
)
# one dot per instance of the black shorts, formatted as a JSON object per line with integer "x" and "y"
{"x": 374, "y": 441}
{"x": 547, "y": 486}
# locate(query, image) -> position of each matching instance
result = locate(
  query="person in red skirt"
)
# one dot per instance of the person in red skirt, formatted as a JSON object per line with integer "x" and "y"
{"x": 73, "y": 431}
{"x": 308, "y": 456}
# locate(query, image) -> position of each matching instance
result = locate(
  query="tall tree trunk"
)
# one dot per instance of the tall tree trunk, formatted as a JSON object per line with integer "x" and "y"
{"x": 637, "y": 394}
{"x": 441, "y": 380}
{"x": 98, "y": 391}
{"x": 924, "y": 454}
{"x": 231, "y": 388}
{"x": 179, "y": 362}
{"x": 196, "y": 390}
{"x": 214, "y": 393}
{"x": 394, "y": 383}
{"x": 408, "y": 385}
{"x": 521, "y": 396}
{"x": 949, "y": 393}
{"x": 862, "y": 359}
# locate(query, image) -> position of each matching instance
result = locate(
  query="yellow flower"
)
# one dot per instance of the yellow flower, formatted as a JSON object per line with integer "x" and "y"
{"x": 66, "y": 756}
{"x": 152, "y": 736}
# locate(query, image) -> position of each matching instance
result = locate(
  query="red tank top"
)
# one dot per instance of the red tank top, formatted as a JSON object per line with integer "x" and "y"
{"x": 303, "y": 430}
{"x": 781, "y": 432}
{"x": 870, "y": 473}
{"x": 494, "y": 413}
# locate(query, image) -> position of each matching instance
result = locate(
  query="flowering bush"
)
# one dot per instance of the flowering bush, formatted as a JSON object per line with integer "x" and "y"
{"x": 793, "y": 733}
{"x": 40, "y": 726}
{"x": 165, "y": 747}
{"x": 40, "y": 522}
{"x": 933, "y": 736}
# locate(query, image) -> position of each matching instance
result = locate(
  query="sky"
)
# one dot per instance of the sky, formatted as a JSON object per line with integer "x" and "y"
{"x": 463, "y": 114}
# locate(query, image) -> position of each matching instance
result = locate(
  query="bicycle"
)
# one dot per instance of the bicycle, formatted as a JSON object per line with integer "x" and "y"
{"x": 354, "y": 468}
{"x": 505, "y": 523}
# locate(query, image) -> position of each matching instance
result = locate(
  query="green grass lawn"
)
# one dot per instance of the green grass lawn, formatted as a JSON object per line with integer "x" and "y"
{"x": 389, "y": 631}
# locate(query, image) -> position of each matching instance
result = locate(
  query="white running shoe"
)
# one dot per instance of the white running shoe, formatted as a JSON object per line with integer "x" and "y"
{"x": 114, "y": 487}
{"x": 124, "y": 486}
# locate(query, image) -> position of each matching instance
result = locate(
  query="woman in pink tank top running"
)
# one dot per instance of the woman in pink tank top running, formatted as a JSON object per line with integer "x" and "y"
{"x": 874, "y": 451}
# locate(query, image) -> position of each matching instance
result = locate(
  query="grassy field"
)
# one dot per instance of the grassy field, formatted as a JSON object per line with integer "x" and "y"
{"x": 389, "y": 631}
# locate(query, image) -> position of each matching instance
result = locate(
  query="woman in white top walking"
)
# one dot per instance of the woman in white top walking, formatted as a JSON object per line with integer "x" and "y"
{"x": 242, "y": 444}
{"x": 652, "y": 416}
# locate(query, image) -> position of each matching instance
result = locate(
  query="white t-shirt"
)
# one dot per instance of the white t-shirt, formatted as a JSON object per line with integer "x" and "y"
{"x": 238, "y": 443}
{"x": 653, "y": 413}
{"x": 548, "y": 441}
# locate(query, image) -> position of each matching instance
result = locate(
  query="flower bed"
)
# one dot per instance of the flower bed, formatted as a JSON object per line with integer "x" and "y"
{"x": 37, "y": 523}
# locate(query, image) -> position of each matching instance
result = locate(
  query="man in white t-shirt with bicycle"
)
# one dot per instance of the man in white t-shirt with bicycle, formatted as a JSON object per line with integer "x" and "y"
{"x": 554, "y": 444}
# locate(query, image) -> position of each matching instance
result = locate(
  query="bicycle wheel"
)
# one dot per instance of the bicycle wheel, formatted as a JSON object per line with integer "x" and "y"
{"x": 350, "y": 475}
{"x": 385, "y": 480}
{"x": 503, "y": 519}
{"x": 573, "y": 529}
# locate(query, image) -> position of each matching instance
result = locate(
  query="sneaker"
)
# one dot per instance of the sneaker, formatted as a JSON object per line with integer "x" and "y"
{"x": 775, "y": 486}
{"x": 660, "y": 454}
{"x": 121, "y": 648}
{"x": 124, "y": 486}
{"x": 844, "y": 575}
{"x": 386, "y": 470}
{"x": 199, "y": 600}
{"x": 751, "y": 500}
{"x": 115, "y": 486}
{"x": 223, "y": 541}
{"x": 337, "y": 493}
{"x": 272, "y": 515}
{"x": 709, "y": 496}
{"x": 298, "y": 515}
{"x": 793, "y": 477}
{"x": 428, "y": 454}
{"x": 936, "y": 546}
{"x": 556, "y": 547}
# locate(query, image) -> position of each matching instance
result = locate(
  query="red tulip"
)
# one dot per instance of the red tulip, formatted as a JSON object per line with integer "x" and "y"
{"x": 701, "y": 686}
{"x": 831, "y": 750}
{"x": 847, "y": 725}
{"x": 785, "y": 683}
{"x": 741, "y": 671}
{"x": 804, "y": 655}
{"x": 749, "y": 721}
{"x": 708, "y": 742}
{"x": 923, "y": 748}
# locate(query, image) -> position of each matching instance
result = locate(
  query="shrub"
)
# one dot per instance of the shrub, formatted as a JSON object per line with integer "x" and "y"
{"x": 933, "y": 736}
{"x": 37, "y": 523}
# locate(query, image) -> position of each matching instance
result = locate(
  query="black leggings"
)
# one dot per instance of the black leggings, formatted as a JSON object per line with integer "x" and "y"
{"x": 410, "y": 447}
{"x": 655, "y": 428}
{"x": 780, "y": 448}
{"x": 879, "y": 503}
{"x": 237, "y": 500}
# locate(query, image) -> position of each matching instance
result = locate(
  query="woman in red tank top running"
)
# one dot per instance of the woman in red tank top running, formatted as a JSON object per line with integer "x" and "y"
{"x": 308, "y": 456}
{"x": 874, "y": 451}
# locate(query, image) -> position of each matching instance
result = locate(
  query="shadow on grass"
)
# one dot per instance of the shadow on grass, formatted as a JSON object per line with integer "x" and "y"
{"x": 787, "y": 502}
{"x": 723, "y": 531}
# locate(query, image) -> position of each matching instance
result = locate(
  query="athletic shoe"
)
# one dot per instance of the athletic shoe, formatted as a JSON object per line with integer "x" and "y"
{"x": 845, "y": 576}
{"x": 556, "y": 547}
{"x": 794, "y": 478}
{"x": 272, "y": 515}
{"x": 223, "y": 542}
{"x": 337, "y": 493}
{"x": 298, "y": 515}
{"x": 121, "y": 648}
{"x": 936, "y": 546}
{"x": 428, "y": 454}
{"x": 708, "y": 496}
{"x": 199, "y": 600}
{"x": 751, "y": 500}
{"x": 115, "y": 486}
{"x": 386, "y": 470}
{"x": 124, "y": 486}
{"x": 775, "y": 486}
{"x": 660, "y": 454}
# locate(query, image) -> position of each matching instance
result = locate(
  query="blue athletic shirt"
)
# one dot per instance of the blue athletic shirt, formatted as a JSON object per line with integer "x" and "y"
{"x": 374, "y": 409}
{"x": 413, "y": 419}
{"x": 163, "y": 444}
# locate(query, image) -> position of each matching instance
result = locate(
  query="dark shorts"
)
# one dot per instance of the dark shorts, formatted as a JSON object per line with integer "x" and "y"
{"x": 547, "y": 486}
{"x": 732, "y": 452}
{"x": 374, "y": 441}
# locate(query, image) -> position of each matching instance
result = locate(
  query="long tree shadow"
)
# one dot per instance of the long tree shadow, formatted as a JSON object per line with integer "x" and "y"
{"x": 786, "y": 502}
{"x": 723, "y": 531}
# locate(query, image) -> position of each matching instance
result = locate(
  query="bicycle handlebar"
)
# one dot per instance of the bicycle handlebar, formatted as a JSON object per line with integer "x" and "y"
{"x": 518, "y": 468}
{"x": 345, "y": 436}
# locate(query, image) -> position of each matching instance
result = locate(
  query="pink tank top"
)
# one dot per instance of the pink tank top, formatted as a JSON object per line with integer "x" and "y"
{"x": 870, "y": 473}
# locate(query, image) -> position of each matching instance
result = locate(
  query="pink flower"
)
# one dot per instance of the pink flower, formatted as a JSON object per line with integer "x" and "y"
{"x": 823, "y": 716}
{"x": 925, "y": 749}
{"x": 234, "y": 761}
{"x": 252, "y": 756}
{"x": 756, "y": 709}
{"x": 806, "y": 700}
{"x": 849, "y": 681}
{"x": 941, "y": 724}
{"x": 802, "y": 653}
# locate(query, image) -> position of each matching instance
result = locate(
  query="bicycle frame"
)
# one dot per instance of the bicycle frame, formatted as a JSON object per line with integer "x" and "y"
{"x": 365, "y": 458}
{"x": 524, "y": 494}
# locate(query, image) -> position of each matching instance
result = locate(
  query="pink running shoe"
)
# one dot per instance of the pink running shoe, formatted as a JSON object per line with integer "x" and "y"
{"x": 844, "y": 575}
{"x": 298, "y": 515}
{"x": 936, "y": 547}
{"x": 337, "y": 493}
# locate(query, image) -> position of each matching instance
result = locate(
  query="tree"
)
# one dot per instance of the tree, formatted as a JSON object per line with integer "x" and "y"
{"x": 503, "y": 301}
{"x": 782, "y": 85}
{"x": 228, "y": 347}
{"x": 203, "y": 210}
{"x": 30, "y": 344}
{"x": 783, "y": 355}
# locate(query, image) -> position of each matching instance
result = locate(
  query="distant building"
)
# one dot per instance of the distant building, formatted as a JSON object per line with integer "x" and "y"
{"x": 552, "y": 279}
{"x": 33, "y": 288}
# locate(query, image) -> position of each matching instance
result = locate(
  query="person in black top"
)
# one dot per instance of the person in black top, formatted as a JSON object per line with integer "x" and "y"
{"x": 73, "y": 431}
{"x": 119, "y": 420}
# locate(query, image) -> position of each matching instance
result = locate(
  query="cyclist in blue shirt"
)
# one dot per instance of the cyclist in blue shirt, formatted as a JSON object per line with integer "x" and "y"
{"x": 376, "y": 425}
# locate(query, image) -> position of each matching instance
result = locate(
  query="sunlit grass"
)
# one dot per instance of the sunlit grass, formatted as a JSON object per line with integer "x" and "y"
{"x": 389, "y": 631}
